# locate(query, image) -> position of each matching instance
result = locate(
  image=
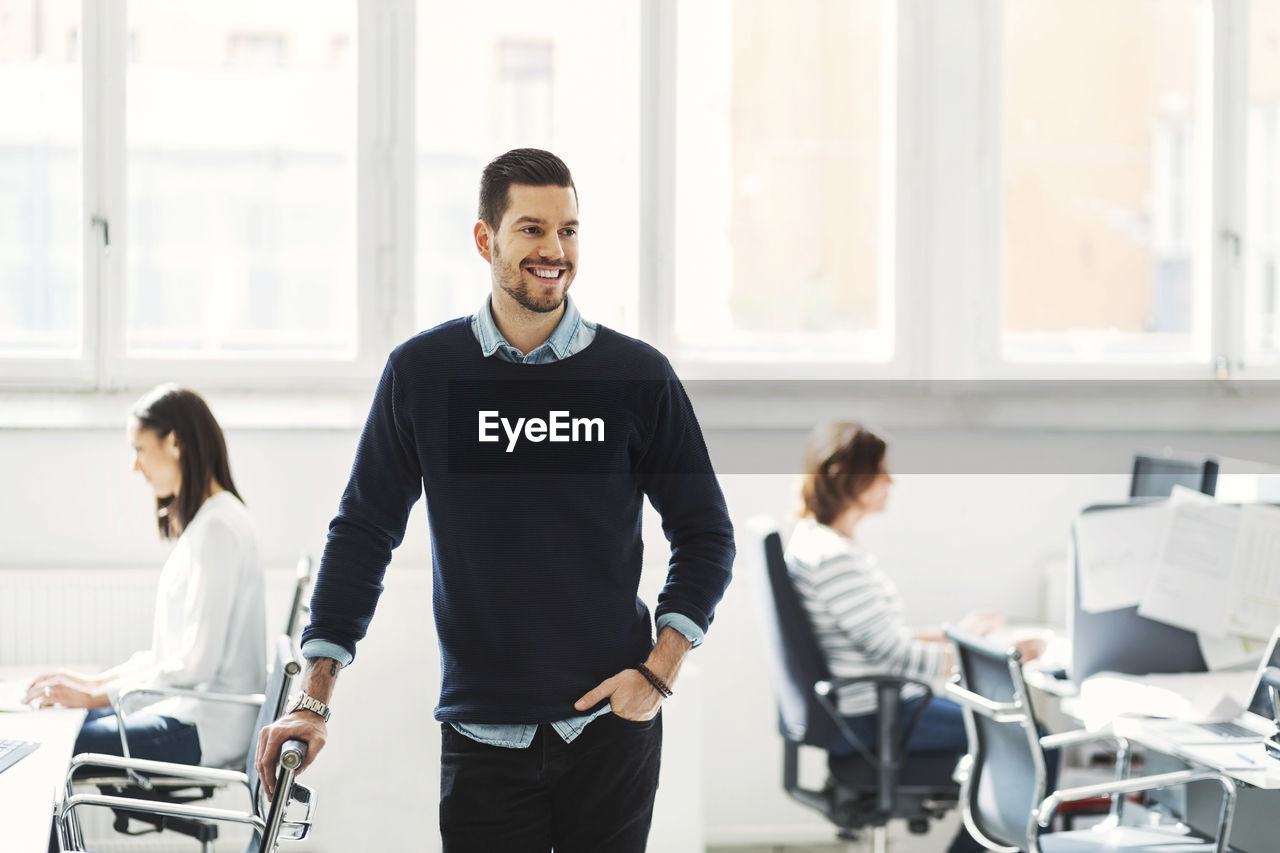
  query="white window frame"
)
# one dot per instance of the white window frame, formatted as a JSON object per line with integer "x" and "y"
{"x": 658, "y": 224}
{"x": 941, "y": 216}
{"x": 1222, "y": 96}
{"x": 383, "y": 223}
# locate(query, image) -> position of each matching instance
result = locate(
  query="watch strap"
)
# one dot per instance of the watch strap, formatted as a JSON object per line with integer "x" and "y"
{"x": 303, "y": 702}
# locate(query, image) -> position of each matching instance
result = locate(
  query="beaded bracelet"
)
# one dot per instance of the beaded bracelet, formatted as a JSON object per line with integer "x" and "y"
{"x": 658, "y": 683}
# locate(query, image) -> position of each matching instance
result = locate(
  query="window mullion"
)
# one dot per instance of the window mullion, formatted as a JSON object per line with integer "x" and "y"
{"x": 1230, "y": 88}
{"x": 400, "y": 175}
{"x": 657, "y": 172}
{"x": 375, "y": 217}
{"x": 960, "y": 292}
{"x": 104, "y": 127}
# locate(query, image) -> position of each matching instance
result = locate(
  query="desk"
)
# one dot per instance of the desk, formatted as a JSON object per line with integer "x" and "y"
{"x": 1258, "y": 793}
{"x": 29, "y": 788}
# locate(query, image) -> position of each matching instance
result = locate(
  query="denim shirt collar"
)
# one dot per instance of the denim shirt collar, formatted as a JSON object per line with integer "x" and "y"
{"x": 561, "y": 343}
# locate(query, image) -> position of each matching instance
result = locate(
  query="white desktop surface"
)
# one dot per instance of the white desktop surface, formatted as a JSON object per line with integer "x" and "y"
{"x": 30, "y": 787}
{"x": 1127, "y": 712}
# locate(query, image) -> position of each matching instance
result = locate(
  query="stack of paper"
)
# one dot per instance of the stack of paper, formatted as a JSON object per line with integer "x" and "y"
{"x": 1207, "y": 567}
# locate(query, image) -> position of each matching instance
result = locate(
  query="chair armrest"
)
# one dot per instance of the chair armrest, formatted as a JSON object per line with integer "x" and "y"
{"x": 252, "y": 699}
{"x": 70, "y": 804}
{"x": 1001, "y": 712}
{"x": 248, "y": 699}
{"x": 1050, "y": 803}
{"x": 886, "y": 764}
{"x": 160, "y": 768}
{"x": 1078, "y": 736}
{"x": 831, "y": 685}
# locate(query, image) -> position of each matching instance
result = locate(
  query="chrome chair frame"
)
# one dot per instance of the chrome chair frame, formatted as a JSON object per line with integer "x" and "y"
{"x": 271, "y": 827}
{"x": 172, "y": 776}
{"x": 200, "y": 791}
{"x": 1019, "y": 712}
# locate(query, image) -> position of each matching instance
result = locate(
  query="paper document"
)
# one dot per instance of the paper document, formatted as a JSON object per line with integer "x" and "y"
{"x": 1228, "y": 652}
{"x": 1190, "y": 587}
{"x": 1105, "y": 696}
{"x": 1116, "y": 553}
{"x": 1254, "y": 603}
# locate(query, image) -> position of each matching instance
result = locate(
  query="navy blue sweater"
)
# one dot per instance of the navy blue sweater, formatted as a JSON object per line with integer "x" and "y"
{"x": 535, "y": 478}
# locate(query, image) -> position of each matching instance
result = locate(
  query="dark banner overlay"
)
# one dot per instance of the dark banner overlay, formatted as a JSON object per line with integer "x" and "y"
{"x": 952, "y": 428}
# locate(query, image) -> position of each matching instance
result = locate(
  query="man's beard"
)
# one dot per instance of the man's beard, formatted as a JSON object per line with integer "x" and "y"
{"x": 517, "y": 289}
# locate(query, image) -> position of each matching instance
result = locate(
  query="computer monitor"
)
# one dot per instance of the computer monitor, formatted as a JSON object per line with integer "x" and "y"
{"x": 1155, "y": 476}
{"x": 1123, "y": 640}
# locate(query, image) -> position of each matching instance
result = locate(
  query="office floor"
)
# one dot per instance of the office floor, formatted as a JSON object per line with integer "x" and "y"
{"x": 900, "y": 841}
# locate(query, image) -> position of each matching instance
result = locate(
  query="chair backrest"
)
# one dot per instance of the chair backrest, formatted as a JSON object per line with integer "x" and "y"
{"x": 796, "y": 661}
{"x": 298, "y": 604}
{"x": 283, "y": 669}
{"x": 1007, "y": 776}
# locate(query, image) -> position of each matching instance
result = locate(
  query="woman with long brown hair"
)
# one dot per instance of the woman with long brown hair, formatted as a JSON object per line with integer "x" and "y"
{"x": 856, "y": 609}
{"x": 209, "y": 632}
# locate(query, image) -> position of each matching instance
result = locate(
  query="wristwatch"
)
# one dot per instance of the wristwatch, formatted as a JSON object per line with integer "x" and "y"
{"x": 302, "y": 702}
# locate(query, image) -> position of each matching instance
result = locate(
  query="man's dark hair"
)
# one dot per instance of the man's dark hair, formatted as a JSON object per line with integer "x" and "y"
{"x": 529, "y": 166}
{"x": 203, "y": 458}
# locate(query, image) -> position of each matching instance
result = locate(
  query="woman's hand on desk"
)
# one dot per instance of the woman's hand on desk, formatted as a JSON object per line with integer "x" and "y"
{"x": 67, "y": 690}
{"x": 1031, "y": 648}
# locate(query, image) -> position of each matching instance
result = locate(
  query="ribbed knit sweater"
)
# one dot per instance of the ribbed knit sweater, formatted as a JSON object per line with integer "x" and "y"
{"x": 535, "y": 478}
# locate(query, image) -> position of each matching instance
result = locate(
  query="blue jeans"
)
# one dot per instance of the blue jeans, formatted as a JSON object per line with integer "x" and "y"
{"x": 940, "y": 729}
{"x": 151, "y": 736}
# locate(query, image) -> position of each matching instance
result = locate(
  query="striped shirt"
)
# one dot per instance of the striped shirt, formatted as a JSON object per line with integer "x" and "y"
{"x": 856, "y": 612}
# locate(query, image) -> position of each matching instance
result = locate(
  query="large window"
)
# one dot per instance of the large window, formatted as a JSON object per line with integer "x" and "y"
{"x": 267, "y": 194}
{"x": 508, "y": 75}
{"x": 40, "y": 179}
{"x": 783, "y": 244}
{"x": 1262, "y": 258}
{"x": 241, "y": 134}
{"x": 1100, "y": 178}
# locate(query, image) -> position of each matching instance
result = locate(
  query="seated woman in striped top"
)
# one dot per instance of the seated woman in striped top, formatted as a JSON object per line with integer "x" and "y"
{"x": 854, "y": 606}
{"x": 209, "y": 631}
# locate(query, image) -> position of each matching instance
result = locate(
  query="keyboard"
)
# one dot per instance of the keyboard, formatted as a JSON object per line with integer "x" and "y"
{"x": 12, "y": 751}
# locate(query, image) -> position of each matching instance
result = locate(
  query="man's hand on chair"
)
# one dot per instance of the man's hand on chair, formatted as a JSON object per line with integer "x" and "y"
{"x": 301, "y": 725}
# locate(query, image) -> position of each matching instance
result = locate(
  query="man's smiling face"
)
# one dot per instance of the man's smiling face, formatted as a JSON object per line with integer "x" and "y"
{"x": 534, "y": 251}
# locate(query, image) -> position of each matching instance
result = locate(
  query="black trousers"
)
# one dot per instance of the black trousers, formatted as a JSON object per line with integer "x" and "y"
{"x": 594, "y": 794}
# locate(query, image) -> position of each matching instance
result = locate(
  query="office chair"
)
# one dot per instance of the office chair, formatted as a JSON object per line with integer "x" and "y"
{"x": 174, "y": 790}
{"x": 1003, "y": 785}
{"x": 181, "y": 785}
{"x": 866, "y": 789}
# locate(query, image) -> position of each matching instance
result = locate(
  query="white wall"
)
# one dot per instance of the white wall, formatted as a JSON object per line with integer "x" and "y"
{"x": 955, "y": 538}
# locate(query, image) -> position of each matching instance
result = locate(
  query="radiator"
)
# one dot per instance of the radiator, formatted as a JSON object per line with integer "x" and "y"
{"x": 90, "y": 617}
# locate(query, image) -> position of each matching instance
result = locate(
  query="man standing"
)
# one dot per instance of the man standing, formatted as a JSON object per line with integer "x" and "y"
{"x": 536, "y": 435}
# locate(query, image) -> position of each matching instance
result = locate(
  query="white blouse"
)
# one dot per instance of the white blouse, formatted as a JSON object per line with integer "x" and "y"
{"x": 209, "y": 631}
{"x": 856, "y": 613}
